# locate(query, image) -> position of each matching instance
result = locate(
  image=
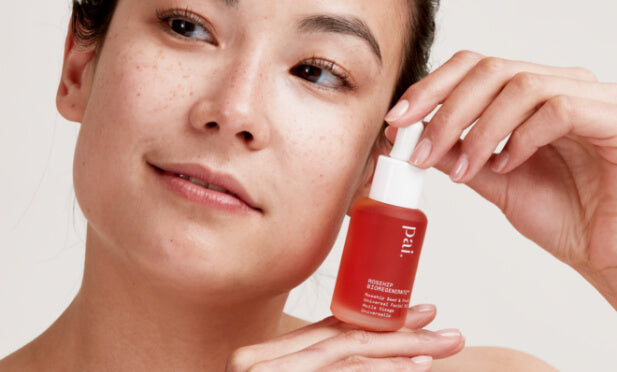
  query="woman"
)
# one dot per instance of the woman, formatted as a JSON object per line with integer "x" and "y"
{"x": 248, "y": 102}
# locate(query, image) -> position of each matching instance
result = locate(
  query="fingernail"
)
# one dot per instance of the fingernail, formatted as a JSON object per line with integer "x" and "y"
{"x": 460, "y": 168}
{"x": 450, "y": 333}
{"x": 424, "y": 308}
{"x": 422, "y": 360}
{"x": 500, "y": 162}
{"x": 390, "y": 133}
{"x": 397, "y": 111}
{"x": 422, "y": 151}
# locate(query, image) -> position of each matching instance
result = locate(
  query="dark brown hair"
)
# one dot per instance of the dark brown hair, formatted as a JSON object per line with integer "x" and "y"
{"x": 418, "y": 42}
{"x": 91, "y": 19}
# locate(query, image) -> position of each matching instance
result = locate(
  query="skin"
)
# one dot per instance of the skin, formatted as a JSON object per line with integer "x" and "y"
{"x": 163, "y": 274}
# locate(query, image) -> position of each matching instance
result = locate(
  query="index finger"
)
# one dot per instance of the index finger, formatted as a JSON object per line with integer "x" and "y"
{"x": 422, "y": 97}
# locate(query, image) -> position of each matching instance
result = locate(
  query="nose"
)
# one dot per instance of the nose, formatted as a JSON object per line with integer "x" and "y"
{"x": 233, "y": 108}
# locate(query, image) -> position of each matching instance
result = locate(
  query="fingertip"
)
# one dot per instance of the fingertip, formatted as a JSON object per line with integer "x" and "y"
{"x": 500, "y": 162}
{"x": 450, "y": 333}
{"x": 390, "y": 133}
{"x": 422, "y": 152}
{"x": 424, "y": 362}
{"x": 420, "y": 316}
{"x": 423, "y": 308}
{"x": 397, "y": 111}
{"x": 460, "y": 169}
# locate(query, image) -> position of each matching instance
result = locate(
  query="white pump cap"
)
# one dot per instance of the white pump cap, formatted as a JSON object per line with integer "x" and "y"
{"x": 396, "y": 181}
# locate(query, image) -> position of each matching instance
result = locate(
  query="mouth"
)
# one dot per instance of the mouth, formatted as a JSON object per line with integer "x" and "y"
{"x": 202, "y": 185}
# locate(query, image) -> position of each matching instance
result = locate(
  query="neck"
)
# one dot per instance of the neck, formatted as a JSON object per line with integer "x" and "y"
{"x": 119, "y": 320}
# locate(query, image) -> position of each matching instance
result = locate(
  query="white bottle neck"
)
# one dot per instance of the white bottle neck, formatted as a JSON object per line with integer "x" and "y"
{"x": 397, "y": 183}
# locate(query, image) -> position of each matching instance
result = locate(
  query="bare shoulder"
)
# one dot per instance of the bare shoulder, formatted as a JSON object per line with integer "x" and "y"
{"x": 481, "y": 359}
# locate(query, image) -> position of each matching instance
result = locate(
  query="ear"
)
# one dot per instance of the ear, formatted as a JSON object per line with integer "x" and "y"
{"x": 76, "y": 78}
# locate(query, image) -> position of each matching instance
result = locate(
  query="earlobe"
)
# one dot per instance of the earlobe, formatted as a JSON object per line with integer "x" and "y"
{"x": 75, "y": 81}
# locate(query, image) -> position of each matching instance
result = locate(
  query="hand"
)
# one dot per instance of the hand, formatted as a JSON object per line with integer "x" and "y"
{"x": 556, "y": 179}
{"x": 331, "y": 345}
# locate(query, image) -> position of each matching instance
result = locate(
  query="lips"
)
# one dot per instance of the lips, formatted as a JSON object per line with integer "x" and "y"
{"x": 204, "y": 184}
{"x": 223, "y": 189}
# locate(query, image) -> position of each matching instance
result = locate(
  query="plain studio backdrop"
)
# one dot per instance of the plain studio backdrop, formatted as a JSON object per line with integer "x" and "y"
{"x": 496, "y": 286}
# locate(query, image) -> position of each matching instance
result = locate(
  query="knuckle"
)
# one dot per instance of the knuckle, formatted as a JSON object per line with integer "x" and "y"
{"x": 481, "y": 132}
{"x": 358, "y": 336}
{"x": 241, "y": 359}
{"x": 419, "y": 92}
{"x": 423, "y": 336}
{"x": 354, "y": 363}
{"x": 444, "y": 119}
{"x": 520, "y": 144}
{"x": 478, "y": 142}
{"x": 526, "y": 82}
{"x": 517, "y": 138}
{"x": 465, "y": 55}
{"x": 491, "y": 65}
{"x": 560, "y": 108}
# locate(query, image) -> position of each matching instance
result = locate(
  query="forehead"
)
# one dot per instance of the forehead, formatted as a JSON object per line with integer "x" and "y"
{"x": 386, "y": 20}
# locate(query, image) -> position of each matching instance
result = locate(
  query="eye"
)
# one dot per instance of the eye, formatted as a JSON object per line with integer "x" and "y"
{"x": 185, "y": 24}
{"x": 188, "y": 29}
{"x": 322, "y": 72}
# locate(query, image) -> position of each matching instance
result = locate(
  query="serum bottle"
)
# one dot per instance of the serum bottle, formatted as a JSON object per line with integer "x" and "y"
{"x": 385, "y": 236}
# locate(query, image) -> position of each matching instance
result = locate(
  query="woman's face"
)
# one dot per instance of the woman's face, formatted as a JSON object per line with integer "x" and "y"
{"x": 277, "y": 102}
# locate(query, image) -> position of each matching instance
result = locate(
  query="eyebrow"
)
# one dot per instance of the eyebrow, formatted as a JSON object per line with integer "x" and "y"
{"x": 340, "y": 24}
{"x": 334, "y": 24}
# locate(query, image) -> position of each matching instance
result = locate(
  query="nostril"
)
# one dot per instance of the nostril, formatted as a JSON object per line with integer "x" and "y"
{"x": 247, "y": 136}
{"x": 212, "y": 124}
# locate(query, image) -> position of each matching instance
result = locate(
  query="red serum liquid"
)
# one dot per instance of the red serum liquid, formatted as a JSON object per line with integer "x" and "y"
{"x": 383, "y": 243}
{"x": 379, "y": 265}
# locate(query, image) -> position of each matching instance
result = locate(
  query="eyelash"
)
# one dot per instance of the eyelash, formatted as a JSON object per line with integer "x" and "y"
{"x": 185, "y": 15}
{"x": 331, "y": 67}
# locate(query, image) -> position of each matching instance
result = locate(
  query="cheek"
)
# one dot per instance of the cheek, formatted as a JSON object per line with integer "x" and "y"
{"x": 140, "y": 84}
{"x": 323, "y": 159}
{"x": 330, "y": 146}
{"x": 138, "y": 97}
{"x": 128, "y": 110}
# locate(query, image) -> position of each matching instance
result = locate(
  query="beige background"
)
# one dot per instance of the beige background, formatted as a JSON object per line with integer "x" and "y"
{"x": 497, "y": 287}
